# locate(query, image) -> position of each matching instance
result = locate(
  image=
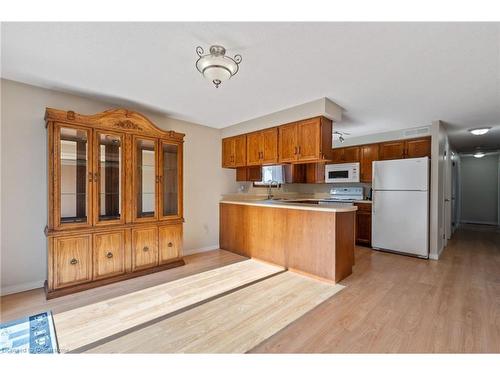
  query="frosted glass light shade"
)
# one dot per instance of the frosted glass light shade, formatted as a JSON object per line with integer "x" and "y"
{"x": 216, "y": 74}
{"x": 216, "y": 66}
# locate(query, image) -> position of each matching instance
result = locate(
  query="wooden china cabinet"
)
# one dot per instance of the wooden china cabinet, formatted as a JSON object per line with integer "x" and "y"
{"x": 115, "y": 205}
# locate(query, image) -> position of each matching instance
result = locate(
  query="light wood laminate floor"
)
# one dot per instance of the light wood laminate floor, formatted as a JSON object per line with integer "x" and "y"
{"x": 391, "y": 303}
{"x": 234, "y": 323}
{"x": 97, "y": 322}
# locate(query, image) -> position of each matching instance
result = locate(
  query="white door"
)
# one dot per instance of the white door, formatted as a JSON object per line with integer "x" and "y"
{"x": 404, "y": 174}
{"x": 400, "y": 221}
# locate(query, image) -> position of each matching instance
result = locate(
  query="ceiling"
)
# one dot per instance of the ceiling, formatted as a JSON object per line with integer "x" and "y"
{"x": 386, "y": 76}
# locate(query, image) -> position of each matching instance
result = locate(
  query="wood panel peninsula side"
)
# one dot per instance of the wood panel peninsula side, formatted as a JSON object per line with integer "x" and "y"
{"x": 315, "y": 241}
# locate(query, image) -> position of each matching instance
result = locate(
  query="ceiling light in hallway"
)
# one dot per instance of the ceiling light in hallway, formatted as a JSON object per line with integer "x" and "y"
{"x": 480, "y": 131}
{"x": 479, "y": 154}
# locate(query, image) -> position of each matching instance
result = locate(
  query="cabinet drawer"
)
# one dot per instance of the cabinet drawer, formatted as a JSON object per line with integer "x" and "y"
{"x": 144, "y": 248}
{"x": 170, "y": 242}
{"x": 109, "y": 254}
{"x": 72, "y": 260}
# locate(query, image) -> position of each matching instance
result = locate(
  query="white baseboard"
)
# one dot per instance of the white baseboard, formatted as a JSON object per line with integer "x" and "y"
{"x": 11, "y": 289}
{"x": 201, "y": 249}
{"x": 434, "y": 256}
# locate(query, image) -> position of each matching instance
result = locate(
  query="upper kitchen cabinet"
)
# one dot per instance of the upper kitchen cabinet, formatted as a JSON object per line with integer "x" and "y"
{"x": 410, "y": 148}
{"x": 345, "y": 155}
{"x": 305, "y": 141}
{"x": 392, "y": 150}
{"x": 234, "y": 151}
{"x": 420, "y": 147}
{"x": 368, "y": 154}
{"x": 262, "y": 147}
{"x": 287, "y": 143}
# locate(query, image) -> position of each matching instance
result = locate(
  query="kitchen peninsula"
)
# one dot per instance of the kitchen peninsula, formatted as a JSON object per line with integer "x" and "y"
{"x": 317, "y": 241}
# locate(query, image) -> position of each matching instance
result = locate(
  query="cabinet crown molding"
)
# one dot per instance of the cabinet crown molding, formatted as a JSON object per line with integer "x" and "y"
{"x": 114, "y": 119}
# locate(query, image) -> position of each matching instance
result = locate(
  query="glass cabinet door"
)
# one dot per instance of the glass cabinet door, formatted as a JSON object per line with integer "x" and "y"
{"x": 170, "y": 160}
{"x": 73, "y": 176}
{"x": 145, "y": 178}
{"x": 109, "y": 164}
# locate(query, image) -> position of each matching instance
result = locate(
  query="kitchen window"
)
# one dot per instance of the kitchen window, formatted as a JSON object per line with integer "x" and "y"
{"x": 271, "y": 173}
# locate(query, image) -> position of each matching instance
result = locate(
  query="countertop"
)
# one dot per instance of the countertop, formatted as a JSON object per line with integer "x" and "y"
{"x": 329, "y": 207}
{"x": 282, "y": 195}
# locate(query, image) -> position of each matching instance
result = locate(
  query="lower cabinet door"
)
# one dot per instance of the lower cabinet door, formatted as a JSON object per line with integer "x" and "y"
{"x": 144, "y": 248}
{"x": 72, "y": 258}
{"x": 170, "y": 242}
{"x": 109, "y": 254}
{"x": 363, "y": 227}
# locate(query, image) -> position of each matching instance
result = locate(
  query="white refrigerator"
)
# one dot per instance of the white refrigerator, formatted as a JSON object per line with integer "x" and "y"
{"x": 400, "y": 207}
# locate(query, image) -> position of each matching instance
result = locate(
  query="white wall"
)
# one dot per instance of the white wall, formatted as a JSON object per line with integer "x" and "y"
{"x": 439, "y": 146}
{"x": 319, "y": 107}
{"x": 479, "y": 187}
{"x": 24, "y": 181}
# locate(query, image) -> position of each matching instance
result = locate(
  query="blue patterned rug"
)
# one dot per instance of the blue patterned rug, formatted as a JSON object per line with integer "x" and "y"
{"x": 34, "y": 334}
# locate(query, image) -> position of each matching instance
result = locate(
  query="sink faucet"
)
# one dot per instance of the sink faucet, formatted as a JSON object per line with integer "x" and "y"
{"x": 269, "y": 192}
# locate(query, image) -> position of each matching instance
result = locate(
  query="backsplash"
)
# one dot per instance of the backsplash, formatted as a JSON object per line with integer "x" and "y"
{"x": 307, "y": 189}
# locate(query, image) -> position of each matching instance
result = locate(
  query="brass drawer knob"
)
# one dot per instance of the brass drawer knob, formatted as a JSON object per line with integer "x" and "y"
{"x": 109, "y": 254}
{"x": 73, "y": 261}
{"x": 170, "y": 244}
{"x": 145, "y": 248}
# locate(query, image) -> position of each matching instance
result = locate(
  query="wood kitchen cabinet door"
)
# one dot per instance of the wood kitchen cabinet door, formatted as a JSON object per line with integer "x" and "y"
{"x": 363, "y": 227}
{"x": 345, "y": 155}
{"x": 240, "y": 151}
{"x": 392, "y": 150}
{"x": 417, "y": 148}
{"x": 109, "y": 254}
{"x": 364, "y": 224}
{"x": 234, "y": 151}
{"x": 351, "y": 155}
{"x": 287, "y": 142}
{"x": 269, "y": 148}
{"x": 337, "y": 155}
{"x": 227, "y": 152}
{"x": 262, "y": 147}
{"x": 254, "y": 146}
{"x": 309, "y": 139}
{"x": 72, "y": 260}
{"x": 369, "y": 154}
{"x": 144, "y": 248}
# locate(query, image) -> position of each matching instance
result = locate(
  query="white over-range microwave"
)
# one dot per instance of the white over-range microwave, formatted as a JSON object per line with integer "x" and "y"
{"x": 346, "y": 172}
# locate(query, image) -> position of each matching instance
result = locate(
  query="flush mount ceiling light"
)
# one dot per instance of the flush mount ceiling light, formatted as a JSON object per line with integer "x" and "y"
{"x": 479, "y": 154}
{"x": 216, "y": 66}
{"x": 480, "y": 131}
